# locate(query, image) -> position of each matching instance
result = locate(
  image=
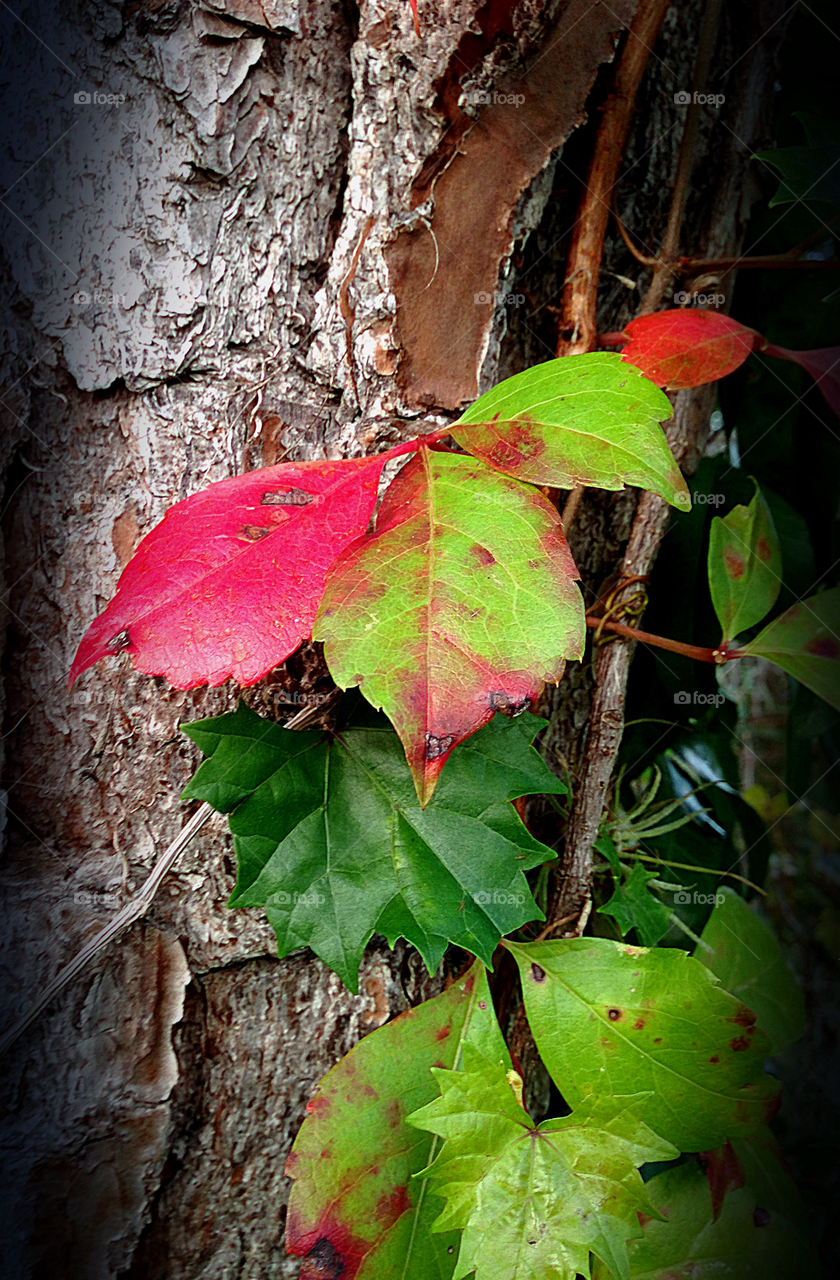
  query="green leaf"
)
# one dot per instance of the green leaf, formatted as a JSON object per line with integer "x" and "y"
{"x": 330, "y": 838}
{"x": 454, "y": 608}
{"x": 749, "y": 1240}
{"x": 633, "y": 906}
{"x": 609, "y": 1016}
{"x": 355, "y": 1209}
{"x": 749, "y": 962}
{"x": 766, "y": 1174}
{"x": 588, "y": 419}
{"x": 805, "y": 642}
{"x": 533, "y": 1200}
{"x": 745, "y": 566}
{"x": 812, "y": 172}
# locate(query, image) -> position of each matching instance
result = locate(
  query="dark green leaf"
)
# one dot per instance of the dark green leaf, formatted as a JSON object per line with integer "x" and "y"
{"x": 633, "y": 906}
{"x": 812, "y": 172}
{"x": 587, "y": 419}
{"x": 605, "y": 1015}
{"x": 533, "y": 1200}
{"x": 748, "y": 960}
{"x": 748, "y": 1240}
{"x": 331, "y": 840}
{"x": 354, "y": 1203}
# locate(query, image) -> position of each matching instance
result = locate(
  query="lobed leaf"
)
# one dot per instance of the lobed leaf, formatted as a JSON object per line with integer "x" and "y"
{"x": 355, "y": 1210}
{"x": 461, "y": 603}
{"x": 748, "y": 1239}
{"x": 331, "y": 841}
{"x": 228, "y": 583}
{"x": 633, "y": 906}
{"x": 582, "y": 420}
{"x": 805, "y": 642}
{"x": 534, "y": 1200}
{"x": 745, "y": 566}
{"x": 608, "y": 1017}
{"x": 750, "y": 964}
{"x": 685, "y": 348}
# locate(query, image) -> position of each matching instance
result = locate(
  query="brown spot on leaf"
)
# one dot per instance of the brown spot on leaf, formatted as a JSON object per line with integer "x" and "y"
{"x": 394, "y": 1113}
{"x": 482, "y": 1004}
{"x": 318, "y": 1105}
{"x": 639, "y": 1024}
{"x": 614, "y": 1015}
{"x": 537, "y": 973}
{"x": 733, "y": 563}
{"x": 482, "y": 554}
{"x": 120, "y": 641}
{"x": 437, "y": 747}
{"x": 739, "y": 1044}
{"x": 823, "y": 647}
{"x": 762, "y": 548}
{"x": 744, "y": 1017}
{"x": 392, "y": 1206}
{"x": 323, "y": 1262}
{"x": 508, "y": 706}
{"x": 287, "y": 498}
{"x": 715, "y": 1060}
{"x": 443, "y": 1033}
{"x": 253, "y": 532}
{"x": 761, "y": 1217}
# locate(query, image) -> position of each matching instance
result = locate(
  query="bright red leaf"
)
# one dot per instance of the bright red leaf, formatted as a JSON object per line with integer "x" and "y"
{"x": 685, "y": 348}
{"x": 229, "y": 582}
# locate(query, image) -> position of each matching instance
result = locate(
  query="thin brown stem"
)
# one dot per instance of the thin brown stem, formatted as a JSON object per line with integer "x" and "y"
{"x": 578, "y": 330}
{"x": 663, "y": 274}
{"x": 698, "y": 652}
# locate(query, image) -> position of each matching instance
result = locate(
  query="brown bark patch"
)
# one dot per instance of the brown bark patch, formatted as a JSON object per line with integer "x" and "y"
{"x": 444, "y": 280}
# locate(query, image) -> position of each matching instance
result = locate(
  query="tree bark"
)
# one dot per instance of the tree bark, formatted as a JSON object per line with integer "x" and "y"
{"x": 274, "y": 239}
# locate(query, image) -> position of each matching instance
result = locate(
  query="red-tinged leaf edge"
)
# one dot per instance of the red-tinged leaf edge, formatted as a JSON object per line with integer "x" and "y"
{"x": 724, "y": 1174}
{"x": 823, "y": 364}
{"x": 415, "y": 18}
{"x": 197, "y": 622}
{"x": 686, "y": 347}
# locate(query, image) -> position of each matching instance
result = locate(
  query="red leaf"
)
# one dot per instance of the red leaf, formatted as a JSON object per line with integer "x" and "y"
{"x": 685, "y": 348}
{"x": 724, "y": 1173}
{"x": 229, "y": 582}
{"x": 415, "y": 18}
{"x": 823, "y": 364}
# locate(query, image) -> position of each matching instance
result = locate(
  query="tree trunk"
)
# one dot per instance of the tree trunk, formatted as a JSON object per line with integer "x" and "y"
{"x": 238, "y": 232}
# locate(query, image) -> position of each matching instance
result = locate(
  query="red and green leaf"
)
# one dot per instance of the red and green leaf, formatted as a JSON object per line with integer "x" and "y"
{"x": 462, "y": 603}
{"x": 745, "y": 566}
{"x": 355, "y": 1209}
{"x": 229, "y": 582}
{"x": 582, "y": 420}
{"x": 805, "y": 642}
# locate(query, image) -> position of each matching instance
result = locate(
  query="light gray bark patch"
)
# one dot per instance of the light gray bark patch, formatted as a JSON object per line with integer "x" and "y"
{"x": 445, "y": 276}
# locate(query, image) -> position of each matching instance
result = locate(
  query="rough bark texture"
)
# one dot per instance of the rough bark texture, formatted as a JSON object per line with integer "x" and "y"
{"x": 179, "y": 307}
